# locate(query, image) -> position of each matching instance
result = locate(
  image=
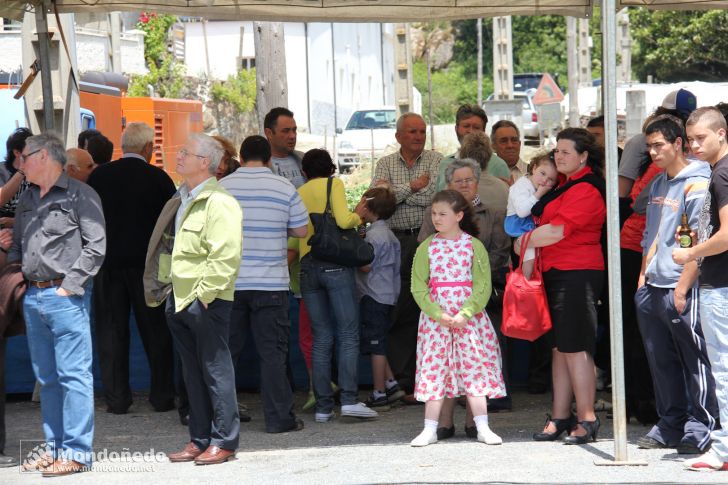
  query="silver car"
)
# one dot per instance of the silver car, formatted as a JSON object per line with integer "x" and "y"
{"x": 529, "y": 113}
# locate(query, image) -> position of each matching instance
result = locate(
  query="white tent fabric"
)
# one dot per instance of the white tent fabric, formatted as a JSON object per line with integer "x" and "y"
{"x": 350, "y": 10}
{"x": 675, "y": 4}
{"x": 323, "y": 10}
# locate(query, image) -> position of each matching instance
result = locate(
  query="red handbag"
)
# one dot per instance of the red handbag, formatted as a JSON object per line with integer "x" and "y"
{"x": 525, "y": 307}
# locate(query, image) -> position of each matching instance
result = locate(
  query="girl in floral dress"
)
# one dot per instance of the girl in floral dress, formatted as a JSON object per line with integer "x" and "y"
{"x": 457, "y": 348}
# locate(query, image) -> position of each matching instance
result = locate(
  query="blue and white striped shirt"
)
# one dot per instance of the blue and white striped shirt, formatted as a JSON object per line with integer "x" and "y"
{"x": 271, "y": 206}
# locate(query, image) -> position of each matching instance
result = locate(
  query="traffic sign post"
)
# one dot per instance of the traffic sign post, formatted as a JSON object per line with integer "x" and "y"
{"x": 549, "y": 119}
{"x": 548, "y": 91}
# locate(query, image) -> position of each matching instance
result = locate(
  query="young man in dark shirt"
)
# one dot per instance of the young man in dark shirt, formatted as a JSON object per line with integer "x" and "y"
{"x": 706, "y": 130}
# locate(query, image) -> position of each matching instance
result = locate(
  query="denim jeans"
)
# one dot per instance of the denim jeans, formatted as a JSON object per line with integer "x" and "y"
{"x": 59, "y": 338}
{"x": 329, "y": 293}
{"x": 714, "y": 320}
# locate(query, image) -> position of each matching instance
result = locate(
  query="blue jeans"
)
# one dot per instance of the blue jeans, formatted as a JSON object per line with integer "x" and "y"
{"x": 714, "y": 320}
{"x": 329, "y": 292}
{"x": 59, "y": 338}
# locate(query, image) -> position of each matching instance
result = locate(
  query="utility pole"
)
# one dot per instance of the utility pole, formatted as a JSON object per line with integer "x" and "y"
{"x": 584, "y": 44}
{"x": 403, "y": 68}
{"x": 479, "y": 26}
{"x": 573, "y": 71}
{"x": 624, "y": 47}
{"x": 115, "y": 41}
{"x": 270, "y": 68}
{"x": 52, "y": 102}
{"x": 502, "y": 58}
{"x": 429, "y": 95}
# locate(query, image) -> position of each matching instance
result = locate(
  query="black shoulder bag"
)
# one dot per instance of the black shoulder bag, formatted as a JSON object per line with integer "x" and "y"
{"x": 332, "y": 244}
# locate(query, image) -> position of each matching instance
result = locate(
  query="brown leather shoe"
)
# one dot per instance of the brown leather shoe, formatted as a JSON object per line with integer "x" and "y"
{"x": 62, "y": 467}
{"x": 190, "y": 452}
{"x": 214, "y": 455}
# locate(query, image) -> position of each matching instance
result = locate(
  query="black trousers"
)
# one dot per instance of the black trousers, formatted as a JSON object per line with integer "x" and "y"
{"x": 676, "y": 350}
{"x": 201, "y": 337}
{"x": 265, "y": 313}
{"x": 638, "y": 381}
{"x": 116, "y": 292}
{"x": 2, "y": 394}
{"x": 402, "y": 337}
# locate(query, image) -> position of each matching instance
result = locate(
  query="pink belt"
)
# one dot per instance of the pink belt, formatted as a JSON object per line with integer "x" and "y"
{"x": 449, "y": 284}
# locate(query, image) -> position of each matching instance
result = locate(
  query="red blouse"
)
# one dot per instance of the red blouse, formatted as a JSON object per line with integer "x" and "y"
{"x": 634, "y": 226}
{"x": 582, "y": 212}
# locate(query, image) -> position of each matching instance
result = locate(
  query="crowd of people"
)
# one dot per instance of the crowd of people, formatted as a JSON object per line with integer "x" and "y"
{"x": 204, "y": 265}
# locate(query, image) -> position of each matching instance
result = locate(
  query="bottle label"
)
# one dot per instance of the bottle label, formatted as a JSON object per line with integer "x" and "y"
{"x": 685, "y": 241}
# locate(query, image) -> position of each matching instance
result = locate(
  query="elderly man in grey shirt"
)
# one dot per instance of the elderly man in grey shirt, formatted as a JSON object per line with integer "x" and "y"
{"x": 60, "y": 240}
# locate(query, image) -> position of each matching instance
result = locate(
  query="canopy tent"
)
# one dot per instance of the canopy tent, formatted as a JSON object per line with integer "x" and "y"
{"x": 351, "y": 10}
{"x": 430, "y": 10}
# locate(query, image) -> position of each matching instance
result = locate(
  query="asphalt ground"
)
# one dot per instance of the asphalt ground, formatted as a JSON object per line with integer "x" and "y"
{"x": 345, "y": 452}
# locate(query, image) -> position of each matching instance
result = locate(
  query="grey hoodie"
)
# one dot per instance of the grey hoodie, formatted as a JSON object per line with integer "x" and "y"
{"x": 669, "y": 199}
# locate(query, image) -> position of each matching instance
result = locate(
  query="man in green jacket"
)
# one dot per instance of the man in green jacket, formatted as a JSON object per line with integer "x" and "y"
{"x": 205, "y": 261}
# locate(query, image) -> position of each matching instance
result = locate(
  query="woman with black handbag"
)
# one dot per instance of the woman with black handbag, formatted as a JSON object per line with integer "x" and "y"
{"x": 571, "y": 218}
{"x": 329, "y": 287}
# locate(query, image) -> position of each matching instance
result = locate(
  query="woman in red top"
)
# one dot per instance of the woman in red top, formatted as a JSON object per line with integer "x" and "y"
{"x": 569, "y": 235}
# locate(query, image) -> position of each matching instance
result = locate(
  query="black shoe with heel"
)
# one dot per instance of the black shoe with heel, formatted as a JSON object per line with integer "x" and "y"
{"x": 565, "y": 424}
{"x": 591, "y": 428}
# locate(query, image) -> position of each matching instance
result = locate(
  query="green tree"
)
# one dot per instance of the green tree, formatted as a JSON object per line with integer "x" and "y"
{"x": 238, "y": 90}
{"x": 680, "y": 46}
{"x": 165, "y": 73}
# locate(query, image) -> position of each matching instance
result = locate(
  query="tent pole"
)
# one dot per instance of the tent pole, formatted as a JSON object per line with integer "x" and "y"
{"x": 41, "y": 22}
{"x": 609, "y": 93}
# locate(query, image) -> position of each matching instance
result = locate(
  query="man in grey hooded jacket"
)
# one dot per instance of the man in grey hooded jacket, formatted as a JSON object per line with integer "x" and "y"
{"x": 667, "y": 298}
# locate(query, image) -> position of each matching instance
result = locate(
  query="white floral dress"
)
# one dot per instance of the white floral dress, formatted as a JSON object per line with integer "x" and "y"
{"x": 455, "y": 361}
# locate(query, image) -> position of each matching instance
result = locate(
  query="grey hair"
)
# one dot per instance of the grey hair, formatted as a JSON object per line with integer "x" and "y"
{"x": 400, "y": 120}
{"x": 503, "y": 124}
{"x": 136, "y": 136}
{"x": 208, "y": 147}
{"x": 462, "y": 163}
{"x": 49, "y": 142}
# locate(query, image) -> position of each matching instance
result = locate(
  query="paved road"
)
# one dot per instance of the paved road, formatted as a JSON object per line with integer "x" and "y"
{"x": 342, "y": 452}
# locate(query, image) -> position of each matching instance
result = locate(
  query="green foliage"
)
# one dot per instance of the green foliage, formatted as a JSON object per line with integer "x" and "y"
{"x": 165, "y": 73}
{"x": 353, "y": 195}
{"x": 238, "y": 90}
{"x": 680, "y": 46}
{"x": 156, "y": 28}
{"x": 451, "y": 87}
{"x": 167, "y": 80}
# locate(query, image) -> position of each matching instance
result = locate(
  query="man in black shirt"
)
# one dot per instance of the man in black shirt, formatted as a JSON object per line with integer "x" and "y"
{"x": 132, "y": 193}
{"x": 706, "y": 129}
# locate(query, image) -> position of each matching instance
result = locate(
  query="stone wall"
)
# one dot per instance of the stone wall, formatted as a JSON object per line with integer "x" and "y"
{"x": 220, "y": 118}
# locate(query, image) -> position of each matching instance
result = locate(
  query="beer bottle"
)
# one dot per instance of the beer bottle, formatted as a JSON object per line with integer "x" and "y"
{"x": 683, "y": 233}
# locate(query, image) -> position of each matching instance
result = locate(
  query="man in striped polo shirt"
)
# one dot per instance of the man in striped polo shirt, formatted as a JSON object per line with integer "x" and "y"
{"x": 273, "y": 211}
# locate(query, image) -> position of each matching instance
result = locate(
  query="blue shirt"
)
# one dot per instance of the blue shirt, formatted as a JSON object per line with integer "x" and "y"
{"x": 271, "y": 206}
{"x": 382, "y": 282}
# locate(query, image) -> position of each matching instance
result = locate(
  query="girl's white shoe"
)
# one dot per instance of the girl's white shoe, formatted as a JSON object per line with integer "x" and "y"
{"x": 427, "y": 437}
{"x": 485, "y": 435}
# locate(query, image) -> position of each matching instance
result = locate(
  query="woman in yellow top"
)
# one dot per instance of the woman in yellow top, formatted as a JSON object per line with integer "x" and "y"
{"x": 329, "y": 294}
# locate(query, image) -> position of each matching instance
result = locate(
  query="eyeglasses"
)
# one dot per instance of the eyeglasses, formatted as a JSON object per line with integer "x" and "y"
{"x": 184, "y": 152}
{"x": 25, "y": 157}
{"x": 466, "y": 181}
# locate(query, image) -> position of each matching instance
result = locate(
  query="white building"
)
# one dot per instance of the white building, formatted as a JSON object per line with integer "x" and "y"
{"x": 350, "y": 66}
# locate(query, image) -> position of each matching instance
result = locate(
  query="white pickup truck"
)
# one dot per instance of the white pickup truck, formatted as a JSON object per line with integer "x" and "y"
{"x": 367, "y": 131}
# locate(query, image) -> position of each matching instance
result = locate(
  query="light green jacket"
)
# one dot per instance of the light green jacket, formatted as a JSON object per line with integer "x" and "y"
{"x": 207, "y": 248}
{"x": 481, "y": 281}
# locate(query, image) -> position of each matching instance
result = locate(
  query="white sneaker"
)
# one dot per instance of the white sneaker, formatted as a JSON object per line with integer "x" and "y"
{"x": 485, "y": 435}
{"x": 358, "y": 410}
{"x": 324, "y": 417}
{"x": 706, "y": 462}
{"x": 427, "y": 437}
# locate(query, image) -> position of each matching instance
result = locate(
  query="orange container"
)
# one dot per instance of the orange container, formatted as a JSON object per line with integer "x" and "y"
{"x": 173, "y": 121}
